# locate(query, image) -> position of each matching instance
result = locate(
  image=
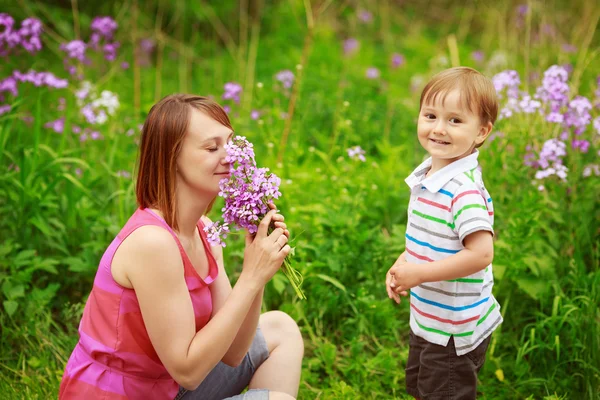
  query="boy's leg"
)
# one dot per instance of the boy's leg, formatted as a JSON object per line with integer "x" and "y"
{"x": 415, "y": 344}
{"x": 444, "y": 375}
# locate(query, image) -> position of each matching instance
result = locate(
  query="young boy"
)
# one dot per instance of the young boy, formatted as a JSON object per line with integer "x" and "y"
{"x": 449, "y": 249}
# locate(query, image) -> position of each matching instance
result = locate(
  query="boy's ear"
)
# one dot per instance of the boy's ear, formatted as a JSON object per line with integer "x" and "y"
{"x": 484, "y": 132}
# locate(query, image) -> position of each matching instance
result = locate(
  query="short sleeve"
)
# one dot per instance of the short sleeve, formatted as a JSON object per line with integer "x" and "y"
{"x": 470, "y": 211}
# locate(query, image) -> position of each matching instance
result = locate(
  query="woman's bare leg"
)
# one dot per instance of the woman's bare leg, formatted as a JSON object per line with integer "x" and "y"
{"x": 281, "y": 371}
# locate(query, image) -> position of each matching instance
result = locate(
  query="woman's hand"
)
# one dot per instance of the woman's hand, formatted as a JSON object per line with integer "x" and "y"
{"x": 278, "y": 221}
{"x": 264, "y": 253}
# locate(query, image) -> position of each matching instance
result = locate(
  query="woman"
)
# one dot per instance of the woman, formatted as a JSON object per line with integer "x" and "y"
{"x": 162, "y": 320}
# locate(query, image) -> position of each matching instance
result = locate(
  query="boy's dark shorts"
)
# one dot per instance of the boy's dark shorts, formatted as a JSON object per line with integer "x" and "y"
{"x": 435, "y": 372}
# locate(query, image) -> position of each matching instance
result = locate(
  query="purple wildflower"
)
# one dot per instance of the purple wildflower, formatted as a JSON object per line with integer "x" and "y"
{"x": 102, "y": 28}
{"x": 4, "y": 108}
{"x": 351, "y": 45}
{"x": 581, "y": 145}
{"x": 477, "y": 56}
{"x": 522, "y": 9}
{"x": 30, "y": 31}
{"x": 365, "y": 16}
{"x": 41, "y": 79}
{"x": 508, "y": 81}
{"x": 286, "y": 77}
{"x": 568, "y": 48}
{"x": 248, "y": 190}
{"x": 372, "y": 73}
{"x": 9, "y": 84}
{"x": 554, "y": 91}
{"x": 578, "y": 114}
{"x": 216, "y": 233}
{"x": 356, "y": 153}
{"x": 592, "y": 168}
{"x": 397, "y": 60}
{"x": 596, "y": 124}
{"x": 110, "y": 51}
{"x": 57, "y": 126}
{"x": 233, "y": 91}
{"x": 255, "y": 114}
{"x": 552, "y": 153}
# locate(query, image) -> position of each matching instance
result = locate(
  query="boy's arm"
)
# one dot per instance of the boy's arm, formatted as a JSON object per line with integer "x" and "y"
{"x": 477, "y": 254}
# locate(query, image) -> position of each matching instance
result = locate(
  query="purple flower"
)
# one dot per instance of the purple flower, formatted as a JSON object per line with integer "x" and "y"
{"x": 372, "y": 73}
{"x": 9, "y": 84}
{"x": 4, "y": 108}
{"x": 30, "y": 31}
{"x": 581, "y": 145}
{"x": 57, "y": 126}
{"x": 124, "y": 65}
{"x": 397, "y": 60}
{"x": 147, "y": 45}
{"x": 552, "y": 153}
{"x": 41, "y": 79}
{"x": 548, "y": 30}
{"x": 350, "y": 46}
{"x": 286, "y": 77}
{"x": 578, "y": 114}
{"x": 554, "y": 91}
{"x": 477, "y": 55}
{"x": 102, "y": 28}
{"x": 123, "y": 174}
{"x": 508, "y": 81}
{"x": 216, "y": 233}
{"x": 233, "y": 91}
{"x": 110, "y": 51}
{"x": 356, "y": 153}
{"x": 522, "y": 9}
{"x": 95, "y": 135}
{"x": 596, "y": 125}
{"x": 568, "y": 48}
{"x": 255, "y": 114}
{"x": 592, "y": 168}
{"x": 75, "y": 51}
{"x": 365, "y": 16}
{"x": 528, "y": 105}
{"x": 247, "y": 192}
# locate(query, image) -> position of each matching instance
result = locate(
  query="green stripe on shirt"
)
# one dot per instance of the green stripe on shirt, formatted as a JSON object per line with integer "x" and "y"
{"x": 468, "y": 206}
{"x": 434, "y": 219}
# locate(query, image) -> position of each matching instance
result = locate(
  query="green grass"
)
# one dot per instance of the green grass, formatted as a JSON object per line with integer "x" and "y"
{"x": 68, "y": 198}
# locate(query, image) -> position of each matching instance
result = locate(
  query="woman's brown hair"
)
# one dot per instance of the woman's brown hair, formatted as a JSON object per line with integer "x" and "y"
{"x": 162, "y": 136}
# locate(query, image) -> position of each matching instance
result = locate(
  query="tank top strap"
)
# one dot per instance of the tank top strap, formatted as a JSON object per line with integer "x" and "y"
{"x": 213, "y": 268}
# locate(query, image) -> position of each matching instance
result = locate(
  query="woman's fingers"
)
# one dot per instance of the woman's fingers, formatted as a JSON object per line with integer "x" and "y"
{"x": 263, "y": 227}
{"x": 281, "y": 240}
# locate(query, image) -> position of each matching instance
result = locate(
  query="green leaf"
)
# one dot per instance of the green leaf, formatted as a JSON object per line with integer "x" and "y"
{"x": 533, "y": 286}
{"x": 331, "y": 280}
{"x": 10, "y": 306}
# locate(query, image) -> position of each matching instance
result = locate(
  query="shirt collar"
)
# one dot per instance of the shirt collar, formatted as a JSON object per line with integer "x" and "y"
{"x": 436, "y": 181}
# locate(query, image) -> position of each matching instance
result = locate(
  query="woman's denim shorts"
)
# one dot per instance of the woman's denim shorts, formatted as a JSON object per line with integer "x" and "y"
{"x": 225, "y": 382}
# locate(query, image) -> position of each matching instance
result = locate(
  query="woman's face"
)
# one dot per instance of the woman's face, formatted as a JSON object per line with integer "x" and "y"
{"x": 201, "y": 163}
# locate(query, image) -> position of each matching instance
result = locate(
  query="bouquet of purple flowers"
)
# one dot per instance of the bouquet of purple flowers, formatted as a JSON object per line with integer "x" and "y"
{"x": 247, "y": 193}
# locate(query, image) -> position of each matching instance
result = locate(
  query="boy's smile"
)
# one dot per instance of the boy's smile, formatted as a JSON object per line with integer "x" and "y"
{"x": 448, "y": 130}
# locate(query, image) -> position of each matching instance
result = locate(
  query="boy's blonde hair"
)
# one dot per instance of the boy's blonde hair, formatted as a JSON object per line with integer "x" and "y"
{"x": 477, "y": 92}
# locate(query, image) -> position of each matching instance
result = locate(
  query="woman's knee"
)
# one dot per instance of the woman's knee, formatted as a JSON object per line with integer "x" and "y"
{"x": 280, "y": 396}
{"x": 279, "y": 327}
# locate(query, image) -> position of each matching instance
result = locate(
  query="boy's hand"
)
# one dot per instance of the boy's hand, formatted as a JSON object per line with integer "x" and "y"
{"x": 389, "y": 278}
{"x": 404, "y": 277}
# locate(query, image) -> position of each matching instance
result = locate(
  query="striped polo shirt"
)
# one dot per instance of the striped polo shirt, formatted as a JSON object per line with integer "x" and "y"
{"x": 444, "y": 208}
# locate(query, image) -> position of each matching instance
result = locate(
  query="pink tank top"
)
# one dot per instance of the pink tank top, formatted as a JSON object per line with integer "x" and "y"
{"x": 114, "y": 358}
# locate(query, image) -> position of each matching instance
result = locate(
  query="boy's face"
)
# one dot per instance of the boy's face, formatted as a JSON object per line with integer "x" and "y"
{"x": 448, "y": 131}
